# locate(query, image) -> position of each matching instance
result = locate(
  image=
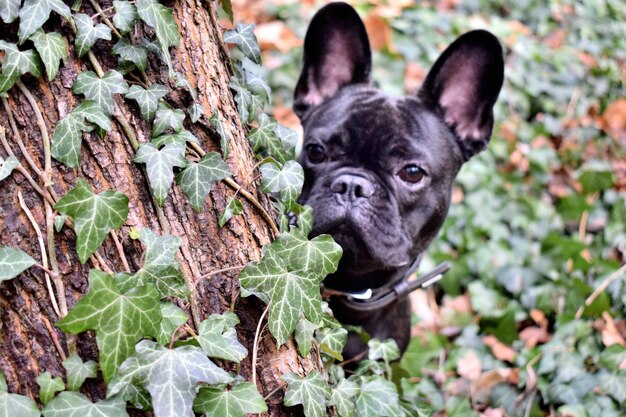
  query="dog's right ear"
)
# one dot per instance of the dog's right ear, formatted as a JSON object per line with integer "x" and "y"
{"x": 336, "y": 53}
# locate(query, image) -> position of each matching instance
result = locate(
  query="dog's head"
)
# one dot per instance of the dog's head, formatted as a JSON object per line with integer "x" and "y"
{"x": 379, "y": 169}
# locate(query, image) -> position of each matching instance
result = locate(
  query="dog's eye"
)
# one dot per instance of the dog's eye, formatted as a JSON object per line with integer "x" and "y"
{"x": 315, "y": 153}
{"x": 412, "y": 174}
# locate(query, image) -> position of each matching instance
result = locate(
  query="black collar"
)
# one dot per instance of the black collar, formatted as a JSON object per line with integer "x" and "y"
{"x": 374, "y": 299}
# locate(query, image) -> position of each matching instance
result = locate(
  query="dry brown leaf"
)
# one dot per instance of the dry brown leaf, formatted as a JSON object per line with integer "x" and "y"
{"x": 413, "y": 77}
{"x": 539, "y": 317}
{"x": 613, "y": 120}
{"x": 480, "y": 390}
{"x": 379, "y": 32}
{"x": 610, "y": 333}
{"x": 499, "y": 349}
{"x": 493, "y": 412}
{"x": 469, "y": 366}
{"x": 533, "y": 336}
{"x": 555, "y": 39}
{"x": 286, "y": 117}
{"x": 276, "y": 35}
{"x": 457, "y": 196}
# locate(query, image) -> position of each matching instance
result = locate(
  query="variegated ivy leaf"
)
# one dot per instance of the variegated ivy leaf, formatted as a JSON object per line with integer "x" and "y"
{"x": 147, "y": 99}
{"x": 386, "y": 350}
{"x": 125, "y": 15}
{"x": 184, "y": 136}
{"x": 160, "y": 166}
{"x": 161, "y": 18}
{"x": 52, "y": 49}
{"x": 614, "y": 385}
{"x": 233, "y": 208}
{"x": 119, "y": 319}
{"x": 159, "y": 266}
{"x": 94, "y": 215}
{"x": 218, "y": 338}
{"x": 289, "y": 139}
{"x": 73, "y": 404}
{"x": 304, "y": 336}
{"x": 87, "y": 34}
{"x": 13, "y": 405}
{"x": 320, "y": 255}
{"x": 264, "y": 138}
{"x": 171, "y": 376}
{"x": 78, "y": 371}
{"x": 243, "y": 37}
{"x": 248, "y": 104}
{"x": 34, "y": 13}
{"x": 48, "y": 386}
{"x": 217, "y": 123}
{"x": 17, "y": 63}
{"x": 332, "y": 341}
{"x": 173, "y": 318}
{"x": 239, "y": 401}
{"x": 311, "y": 391}
{"x": 196, "y": 180}
{"x": 196, "y": 110}
{"x": 378, "y": 398}
{"x": 59, "y": 222}
{"x": 343, "y": 398}
{"x": 287, "y": 181}
{"x": 167, "y": 118}
{"x": 101, "y": 90}
{"x": 255, "y": 78}
{"x": 13, "y": 262}
{"x": 305, "y": 218}
{"x": 7, "y": 166}
{"x": 183, "y": 82}
{"x": 9, "y": 10}
{"x": 129, "y": 53}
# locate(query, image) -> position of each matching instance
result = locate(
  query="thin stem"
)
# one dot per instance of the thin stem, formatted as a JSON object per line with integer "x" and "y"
{"x": 219, "y": 271}
{"x": 120, "y": 250}
{"x": 104, "y": 18}
{"x": 257, "y": 334}
{"x": 46, "y": 270}
{"x": 274, "y": 391}
{"x": 20, "y": 143}
{"x": 270, "y": 221}
{"x": 603, "y": 286}
{"x": 58, "y": 282}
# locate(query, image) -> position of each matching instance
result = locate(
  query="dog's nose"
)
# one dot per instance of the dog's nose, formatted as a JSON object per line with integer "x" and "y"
{"x": 352, "y": 187}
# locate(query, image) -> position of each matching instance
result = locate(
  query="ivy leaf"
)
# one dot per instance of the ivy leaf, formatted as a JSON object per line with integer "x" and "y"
{"x": 73, "y": 404}
{"x": 171, "y": 376}
{"x": 7, "y": 166}
{"x": 78, "y": 371}
{"x": 59, "y": 222}
{"x": 239, "y": 401}
{"x": 135, "y": 54}
{"x": 100, "y": 90}
{"x": 87, "y": 34}
{"x": 125, "y": 15}
{"x": 52, "y": 49}
{"x": 196, "y": 111}
{"x": 161, "y": 19}
{"x": 17, "y": 63}
{"x": 615, "y": 386}
{"x": 310, "y": 391}
{"x": 9, "y": 10}
{"x": 332, "y": 341}
{"x": 253, "y": 74}
{"x": 218, "y": 337}
{"x": 196, "y": 180}
{"x": 287, "y": 181}
{"x": 48, "y": 386}
{"x": 167, "y": 118}
{"x": 94, "y": 215}
{"x": 227, "y": 6}
{"x": 160, "y": 166}
{"x": 217, "y": 123}
{"x": 13, "y": 262}
{"x": 378, "y": 398}
{"x": 243, "y": 37}
{"x": 147, "y": 99}
{"x": 173, "y": 318}
{"x": 12, "y": 405}
{"x": 304, "y": 336}
{"x": 264, "y": 138}
{"x": 247, "y": 103}
{"x": 233, "y": 208}
{"x": 320, "y": 255}
{"x": 34, "y": 13}
{"x": 386, "y": 350}
{"x": 120, "y": 320}
{"x": 184, "y": 136}
{"x": 343, "y": 398}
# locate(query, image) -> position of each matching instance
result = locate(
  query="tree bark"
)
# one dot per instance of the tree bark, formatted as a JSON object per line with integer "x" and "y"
{"x": 30, "y": 344}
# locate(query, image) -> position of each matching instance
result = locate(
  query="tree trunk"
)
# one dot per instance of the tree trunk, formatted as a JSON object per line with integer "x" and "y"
{"x": 30, "y": 344}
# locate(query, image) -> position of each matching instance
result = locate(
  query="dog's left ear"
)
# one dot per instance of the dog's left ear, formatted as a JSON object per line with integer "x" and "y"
{"x": 464, "y": 84}
{"x": 336, "y": 53}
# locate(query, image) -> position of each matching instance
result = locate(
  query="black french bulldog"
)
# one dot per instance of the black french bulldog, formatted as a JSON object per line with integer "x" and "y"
{"x": 379, "y": 169}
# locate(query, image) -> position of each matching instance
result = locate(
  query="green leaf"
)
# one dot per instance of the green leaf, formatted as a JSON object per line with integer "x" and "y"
{"x": 13, "y": 262}
{"x": 304, "y": 336}
{"x": 170, "y": 376}
{"x": 10, "y": 9}
{"x": 147, "y": 99}
{"x": 78, "y": 371}
{"x": 52, "y": 49}
{"x": 94, "y": 215}
{"x": 167, "y": 118}
{"x": 13, "y": 405}
{"x": 244, "y": 100}
{"x": 87, "y": 34}
{"x": 125, "y": 15}
{"x": 332, "y": 341}
{"x": 120, "y": 320}
{"x": 196, "y": 180}
{"x": 17, "y": 63}
{"x": 160, "y": 166}
{"x": 48, "y": 386}
{"x": 218, "y": 337}
{"x": 254, "y": 77}
{"x": 7, "y": 166}
{"x": 287, "y": 181}
{"x": 59, "y": 222}
{"x": 73, "y": 404}
{"x": 161, "y": 18}
{"x": 310, "y": 391}
{"x": 135, "y": 54}
{"x": 243, "y": 37}
{"x": 196, "y": 110}
{"x": 173, "y": 318}
{"x": 239, "y": 401}
{"x": 227, "y": 7}
{"x": 378, "y": 398}
{"x": 101, "y": 90}
{"x": 216, "y": 121}
{"x": 615, "y": 386}
{"x": 34, "y": 13}
{"x": 264, "y": 138}
{"x": 343, "y": 398}
{"x": 320, "y": 255}
{"x": 184, "y": 136}
{"x": 613, "y": 356}
{"x": 386, "y": 350}
{"x": 233, "y": 208}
